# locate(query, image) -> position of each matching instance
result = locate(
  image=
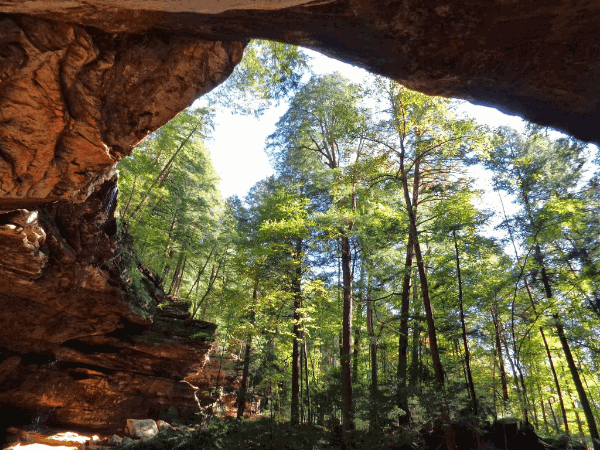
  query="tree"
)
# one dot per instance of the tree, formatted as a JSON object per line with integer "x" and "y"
{"x": 538, "y": 170}
{"x": 325, "y": 121}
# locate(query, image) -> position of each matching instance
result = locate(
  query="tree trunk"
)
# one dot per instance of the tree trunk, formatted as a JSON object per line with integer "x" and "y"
{"x": 583, "y": 399}
{"x": 554, "y": 376}
{"x": 180, "y": 278}
{"x": 416, "y": 338}
{"x": 164, "y": 172}
{"x": 308, "y": 404}
{"x": 245, "y": 371}
{"x": 543, "y": 410}
{"x": 356, "y": 350}
{"x": 402, "y": 398}
{"x": 297, "y": 287}
{"x": 433, "y": 344}
{"x": 176, "y": 273}
{"x": 346, "y": 356}
{"x": 464, "y": 329}
{"x": 556, "y": 427}
{"x": 500, "y": 358}
{"x": 516, "y": 380}
{"x": 201, "y": 271}
{"x": 373, "y": 348}
{"x": 295, "y": 404}
{"x": 556, "y": 383}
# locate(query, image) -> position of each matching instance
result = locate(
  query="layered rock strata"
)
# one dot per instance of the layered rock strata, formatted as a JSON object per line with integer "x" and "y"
{"x": 76, "y": 350}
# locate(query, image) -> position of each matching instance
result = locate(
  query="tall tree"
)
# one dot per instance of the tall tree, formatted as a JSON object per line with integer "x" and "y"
{"x": 540, "y": 170}
{"x": 324, "y": 121}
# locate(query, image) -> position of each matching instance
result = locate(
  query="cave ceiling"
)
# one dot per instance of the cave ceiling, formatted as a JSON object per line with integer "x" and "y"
{"x": 539, "y": 59}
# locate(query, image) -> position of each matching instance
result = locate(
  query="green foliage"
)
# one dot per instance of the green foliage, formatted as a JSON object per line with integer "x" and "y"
{"x": 268, "y": 73}
{"x": 341, "y": 152}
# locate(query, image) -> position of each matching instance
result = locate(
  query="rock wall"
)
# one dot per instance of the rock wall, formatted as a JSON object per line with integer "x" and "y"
{"x": 74, "y": 348}
{"x": 74, "y": 101}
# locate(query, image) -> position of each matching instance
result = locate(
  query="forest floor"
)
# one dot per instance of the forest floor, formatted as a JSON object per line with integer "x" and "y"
{"x": 267, "y": 434}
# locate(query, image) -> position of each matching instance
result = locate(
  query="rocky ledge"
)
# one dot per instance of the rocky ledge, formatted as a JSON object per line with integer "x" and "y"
{"x": 77, "y": 348}
{"x": 98, "y": 382}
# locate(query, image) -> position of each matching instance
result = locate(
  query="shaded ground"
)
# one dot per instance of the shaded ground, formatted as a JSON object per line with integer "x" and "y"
{"x": 265, "y": 434}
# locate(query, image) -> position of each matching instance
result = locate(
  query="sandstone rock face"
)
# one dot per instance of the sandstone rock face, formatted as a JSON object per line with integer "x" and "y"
{"x": 72, "y": 350}
{"x": 537, "y": 59}
{"x": 102, "y": 381}
{"x": 73, "y": 102}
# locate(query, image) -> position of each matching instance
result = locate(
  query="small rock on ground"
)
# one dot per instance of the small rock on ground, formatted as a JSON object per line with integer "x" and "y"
{"x": 141, "y": 428}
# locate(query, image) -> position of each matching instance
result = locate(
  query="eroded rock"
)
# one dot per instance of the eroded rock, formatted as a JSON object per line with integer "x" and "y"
{"x": 74, "y": 101}
{"x": 531, "y": 58}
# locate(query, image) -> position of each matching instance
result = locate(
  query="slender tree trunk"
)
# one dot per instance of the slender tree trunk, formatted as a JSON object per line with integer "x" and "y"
{"x": 402, "y": 398}
{"x": 500, "y": 358}
{"x": 245, "y": 371}
{"x": 535, "y": 414}
{"x": 295, "y": 404}
{"x": 515, "y": 379}
{"x": 164, "y": 172}
{"x": 308, "y": 404}
{"x": 296, "y": 358}
{"x": 554, "y": 376}
{"x": 297, "y": 287}
{"x": 244, "y": 387}
{"x": 346, "y": 356}
{"x": 433, "y": 344}
{"x": 435, "y": 355}
{"x": 356, "y": 351}
{"x": 494, "y": 388}
{"x": 124, "y": 210}
{"x": 214, "y": 274}
{"x": 200, "y": 272}
{"x": 464, "y": 329}
{"x": 543, "y": 409}
{"x": 575, "y": 409}
{"x": 373, "y": 348}
{"x": 556, "y": 383}
{"x": 583, "y": 399}
{"x": 556, "y": 426}
{"x": 180, "y": 277}
{"x": 301, "y": 385}
{"x": 416, "y": 338}
{"x": 176, "y": 273}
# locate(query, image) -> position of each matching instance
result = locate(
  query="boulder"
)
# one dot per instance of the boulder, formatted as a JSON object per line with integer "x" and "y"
{"x": 139, "y": 429}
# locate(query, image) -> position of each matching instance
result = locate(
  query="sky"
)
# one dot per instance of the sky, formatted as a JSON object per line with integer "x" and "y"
{"x": 237, "y": 147}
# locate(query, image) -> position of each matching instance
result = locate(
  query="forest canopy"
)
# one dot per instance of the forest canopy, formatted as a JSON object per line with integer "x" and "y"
{"x": 360, "y": 284}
